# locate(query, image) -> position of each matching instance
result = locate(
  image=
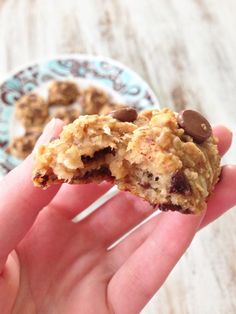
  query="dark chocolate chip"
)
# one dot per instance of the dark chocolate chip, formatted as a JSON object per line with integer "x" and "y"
{"x": 172, "y": 207}
{"x": 179, "y": 183}
{"x": 103, "y": 172}
{"x": 149, "y": 174}
{"x": 97, "y": 155}
{"x": 43, "y": 179}
{"x": 195, "y": 125}
{"x": 124, "y": 114}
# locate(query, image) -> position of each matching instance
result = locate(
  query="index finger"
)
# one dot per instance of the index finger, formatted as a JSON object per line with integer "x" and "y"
{"x": 21, "y": 202}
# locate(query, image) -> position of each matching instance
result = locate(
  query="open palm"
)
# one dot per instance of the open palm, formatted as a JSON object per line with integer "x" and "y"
{"x": 56, "y": 266}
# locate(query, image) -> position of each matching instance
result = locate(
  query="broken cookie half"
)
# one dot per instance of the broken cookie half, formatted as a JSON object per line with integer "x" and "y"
{"x": 171, "y": 160}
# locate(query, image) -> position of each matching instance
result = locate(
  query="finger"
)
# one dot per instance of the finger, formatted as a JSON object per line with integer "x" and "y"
{"x": 223, "y": 197}
{"x": 117, "y": 216}
{"x": 73, "y": 199}
{"x": 51, "y": 130}
{"x": 21, "y": 201}
{"x": 122, "y": 250}
{"x": 148, "y": 267}
{"x": 125, "y": 211}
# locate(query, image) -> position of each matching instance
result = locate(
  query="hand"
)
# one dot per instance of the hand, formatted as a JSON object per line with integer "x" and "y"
{"x": 50, "y": 265}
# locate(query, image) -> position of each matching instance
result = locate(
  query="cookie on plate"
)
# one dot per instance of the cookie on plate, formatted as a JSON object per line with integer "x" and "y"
{"x": 22, "y": 146}
{"x": 93, "y": 99}
{"x": 62, "y": 93}
{"x": 32, "y": 110}
{"x": 171, "y": 160}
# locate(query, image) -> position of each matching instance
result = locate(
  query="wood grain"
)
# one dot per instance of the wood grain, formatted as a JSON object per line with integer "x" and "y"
{"x": 186, "y": 50}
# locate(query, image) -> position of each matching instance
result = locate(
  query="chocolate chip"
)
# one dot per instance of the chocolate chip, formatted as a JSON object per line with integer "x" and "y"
{"x": 103, "y": 172}
{"x": 124, "y": 114}
{"x": 195, "y": 125}
{"x": 43, "y": 179}
{"x": 149, "y": 175}
{"x": 97, "y": 155}
{"x": 179, "y": 183}
{"x": 172, "y": 207}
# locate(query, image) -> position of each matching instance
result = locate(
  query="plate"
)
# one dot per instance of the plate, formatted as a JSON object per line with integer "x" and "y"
{"x": 125, "y": 85}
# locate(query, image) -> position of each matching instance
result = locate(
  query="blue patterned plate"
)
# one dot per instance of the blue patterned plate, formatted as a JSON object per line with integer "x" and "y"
{"x": 120, "y": 80}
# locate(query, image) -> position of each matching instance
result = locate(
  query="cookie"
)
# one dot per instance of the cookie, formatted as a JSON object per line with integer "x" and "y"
{"x": 22, "y": 146}
{"x": 62, "y": 93}
{"x": 31, "y": 110}
{"x": 93, "y": 99}
{"x": 151, "y": 154}
{"x": 67, "y": 115}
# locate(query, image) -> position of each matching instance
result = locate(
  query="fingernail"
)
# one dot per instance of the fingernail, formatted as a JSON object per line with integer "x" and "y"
{"x": 47, "y": 134}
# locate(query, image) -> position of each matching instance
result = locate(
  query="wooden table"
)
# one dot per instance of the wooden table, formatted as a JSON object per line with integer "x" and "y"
{"x": 186, "y": 50}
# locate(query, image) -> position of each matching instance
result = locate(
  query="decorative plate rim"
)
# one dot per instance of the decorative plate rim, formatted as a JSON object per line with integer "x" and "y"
{"x": 79, "y": 56}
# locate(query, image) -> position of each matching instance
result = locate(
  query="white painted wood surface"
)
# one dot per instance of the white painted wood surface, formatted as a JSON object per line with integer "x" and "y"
{"x": 186, "y": 50}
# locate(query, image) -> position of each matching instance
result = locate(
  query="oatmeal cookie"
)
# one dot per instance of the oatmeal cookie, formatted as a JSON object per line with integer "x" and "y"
{"x": 93, "y": 99}
{"x": 22, "y": 146}
{"x": 62, "y": 93}
{"x": 32, "y": 110}
{"x": 171, "y": 160}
